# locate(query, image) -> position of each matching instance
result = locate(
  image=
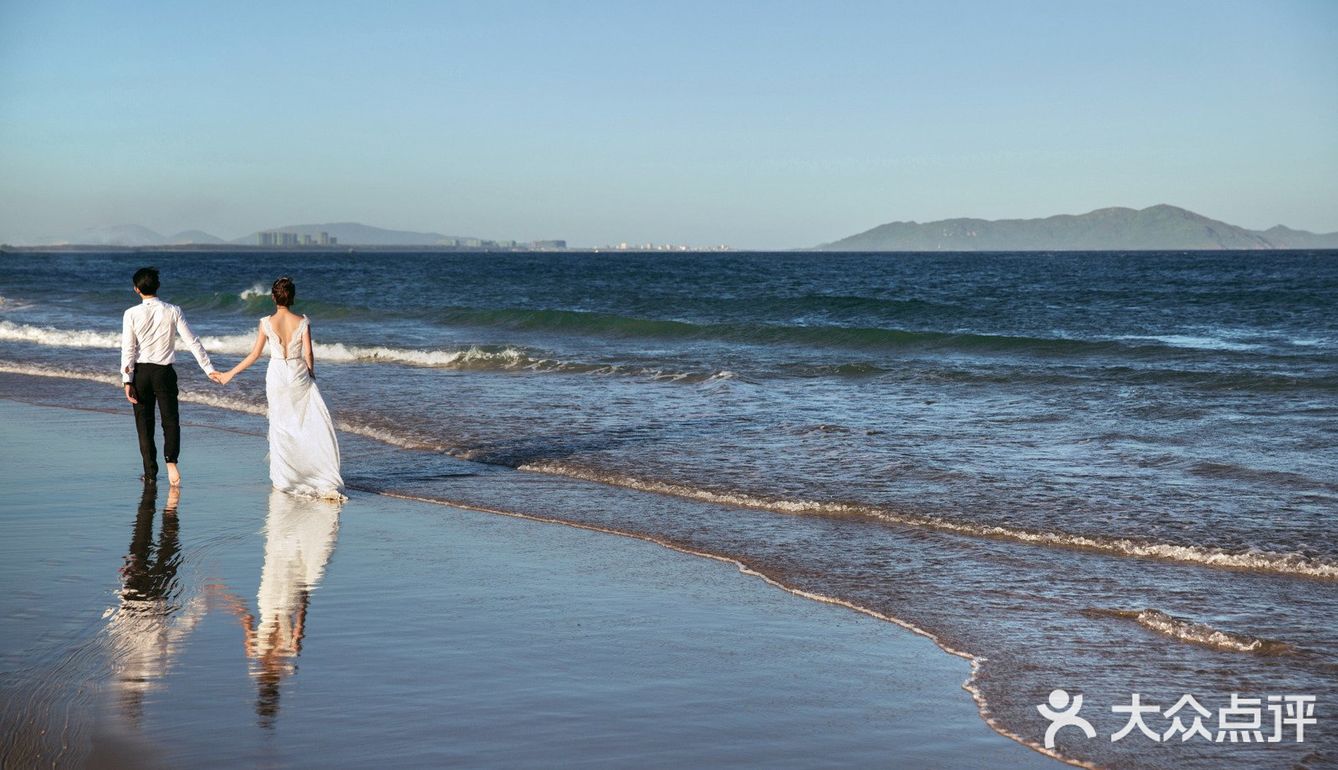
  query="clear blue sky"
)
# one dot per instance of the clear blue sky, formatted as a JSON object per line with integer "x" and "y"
{"x": 765, "y": 124}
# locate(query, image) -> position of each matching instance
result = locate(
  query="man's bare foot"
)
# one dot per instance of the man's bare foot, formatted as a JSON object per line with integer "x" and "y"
{"x": 173, "y": 475}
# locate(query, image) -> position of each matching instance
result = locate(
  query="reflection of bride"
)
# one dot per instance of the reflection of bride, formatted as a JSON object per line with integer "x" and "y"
{"x": 299, "y": 536}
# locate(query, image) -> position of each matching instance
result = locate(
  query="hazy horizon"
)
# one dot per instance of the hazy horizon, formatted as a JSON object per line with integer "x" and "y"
{"x": 769, "y": 126}
{"x": 98, "y": 233}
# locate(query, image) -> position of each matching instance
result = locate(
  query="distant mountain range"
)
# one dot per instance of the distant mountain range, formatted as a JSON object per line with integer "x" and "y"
{"x": 131, "y": 235}
{"x": 1155, "y": 228}
{"x": 194, "y": 236}
{"x": 1160, "y": 227}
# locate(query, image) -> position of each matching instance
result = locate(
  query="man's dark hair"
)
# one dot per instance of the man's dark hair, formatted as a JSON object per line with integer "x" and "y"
{"x": 146, "y": 280}
{"x": 284, "y": 292}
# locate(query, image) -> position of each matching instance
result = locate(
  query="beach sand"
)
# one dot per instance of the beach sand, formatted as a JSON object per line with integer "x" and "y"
{"x": 254, "y": 629}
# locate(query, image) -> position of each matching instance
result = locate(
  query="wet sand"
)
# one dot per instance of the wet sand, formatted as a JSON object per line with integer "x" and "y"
{"x": 253, "y": 629}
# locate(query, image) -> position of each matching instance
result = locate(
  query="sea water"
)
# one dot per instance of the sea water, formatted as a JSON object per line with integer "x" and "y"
{"x": 1112, "y": 473}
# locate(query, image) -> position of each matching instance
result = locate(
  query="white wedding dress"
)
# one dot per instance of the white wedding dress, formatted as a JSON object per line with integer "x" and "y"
{"x": 303, "y": 449}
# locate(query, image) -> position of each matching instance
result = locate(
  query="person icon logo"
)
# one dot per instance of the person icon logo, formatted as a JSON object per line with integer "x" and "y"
{"x": 1063, "y": 712}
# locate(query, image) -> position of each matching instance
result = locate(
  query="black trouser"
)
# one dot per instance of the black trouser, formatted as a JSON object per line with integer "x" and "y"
{"x": 156, "y": 383}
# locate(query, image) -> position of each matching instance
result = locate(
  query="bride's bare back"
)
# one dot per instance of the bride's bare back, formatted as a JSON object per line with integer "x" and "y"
{"x": 285, "y": 323}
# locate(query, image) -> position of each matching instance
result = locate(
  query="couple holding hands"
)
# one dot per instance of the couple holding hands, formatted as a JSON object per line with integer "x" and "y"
{"x": 303, "y": 447}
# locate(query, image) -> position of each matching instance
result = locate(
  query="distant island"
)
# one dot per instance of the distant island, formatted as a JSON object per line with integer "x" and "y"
{"x": 1157, "y": 228}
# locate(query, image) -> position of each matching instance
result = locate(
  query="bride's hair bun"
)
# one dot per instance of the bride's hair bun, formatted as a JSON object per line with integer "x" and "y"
{"x": 284, "y": 292}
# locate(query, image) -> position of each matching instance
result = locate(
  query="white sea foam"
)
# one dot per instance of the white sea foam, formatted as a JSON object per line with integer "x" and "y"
{"x": 223, "y": 401}
{"x": 62, "y": 338}
{"x": 473, "y": 357}
{"x": 240, "y": 345}
{"x": 510, "y": 358}
{"x": 1256, "y": 560}
{"x": 1205, "y": 635}
{"x": 50, "y": 336}
{"x": 33, "y": 370}
{"x": 1191, "y": 341}
{"x": 1195, "y": 632}
{"x": 256, "y": 290}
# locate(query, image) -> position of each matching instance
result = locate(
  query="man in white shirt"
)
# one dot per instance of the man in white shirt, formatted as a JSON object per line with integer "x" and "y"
{"x": 148, "y": 348}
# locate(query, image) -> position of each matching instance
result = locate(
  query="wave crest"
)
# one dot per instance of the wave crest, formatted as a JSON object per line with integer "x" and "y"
{"x": 62, "y": 338}
{"x": 475, "y": 357}
{"x": 1193, "y": 632}
{"x": 823, "y": 335}
{"x": 1253, "y": 560}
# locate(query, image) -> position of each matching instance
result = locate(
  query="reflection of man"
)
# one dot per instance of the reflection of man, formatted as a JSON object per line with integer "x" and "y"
{"x": 299, "y": 536}
{"x": 149, "y": 626}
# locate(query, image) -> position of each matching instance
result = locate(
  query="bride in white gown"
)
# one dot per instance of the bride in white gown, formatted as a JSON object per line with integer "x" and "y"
{"x": 303, "y": 449}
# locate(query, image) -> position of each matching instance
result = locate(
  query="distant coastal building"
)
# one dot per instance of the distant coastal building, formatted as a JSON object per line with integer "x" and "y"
{"x": 466, "y": 242}
{"x": 281, "y": 238}
{"x": 278, "y": 238}
{"x": 625, "y": 246}
{"x": 504, "y": 243}
{"x": 285, "y": 239}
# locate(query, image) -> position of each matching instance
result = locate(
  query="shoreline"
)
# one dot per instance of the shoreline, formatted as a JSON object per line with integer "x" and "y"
{"x": 1253, "y": 561}
{"x": 815, "y": 615}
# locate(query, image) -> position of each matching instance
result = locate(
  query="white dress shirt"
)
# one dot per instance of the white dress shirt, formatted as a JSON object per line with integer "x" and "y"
{"x": 148, "y": 336}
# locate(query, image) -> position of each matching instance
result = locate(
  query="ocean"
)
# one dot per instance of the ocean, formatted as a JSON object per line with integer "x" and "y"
{"x": 1110, "y": 473}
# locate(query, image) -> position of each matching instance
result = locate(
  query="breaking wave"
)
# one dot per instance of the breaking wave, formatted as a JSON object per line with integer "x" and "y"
{"x": 1194, "y": 632}
{"x": 474, "y": 357}
{"x": 1260, "y": 561}
{"x": 52, "y": 337}
{"x": 823, "y": 335}
{"x": 1249, "y": 560}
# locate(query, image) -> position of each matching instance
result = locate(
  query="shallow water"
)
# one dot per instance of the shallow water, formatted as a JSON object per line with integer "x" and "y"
{"x": 1109, "y": 472}
{"x": 230, "y": 625}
